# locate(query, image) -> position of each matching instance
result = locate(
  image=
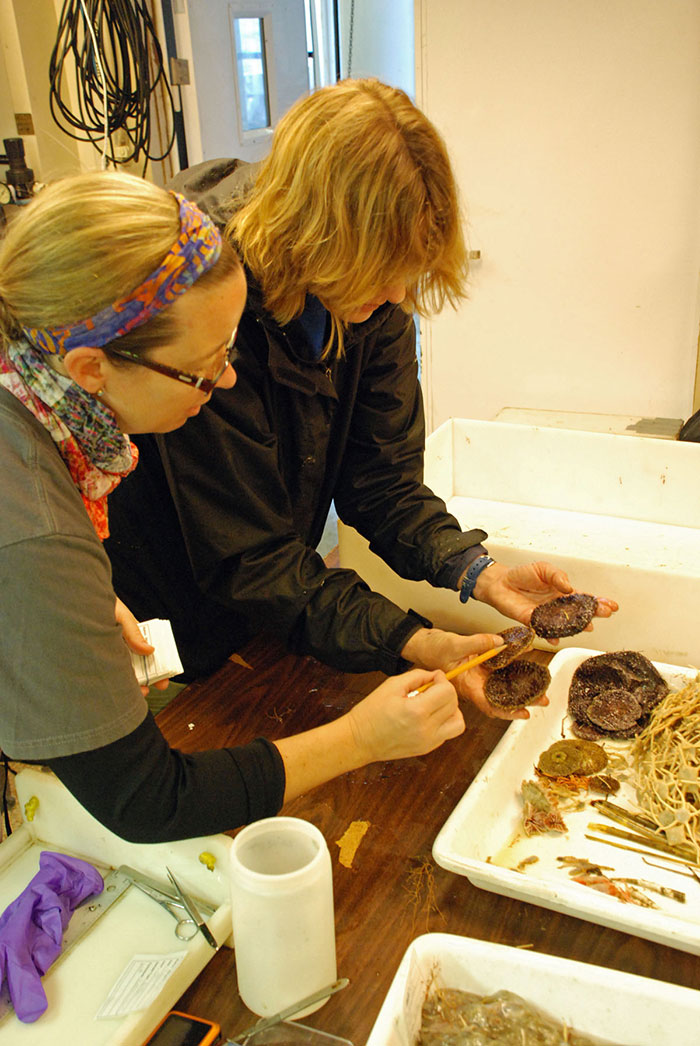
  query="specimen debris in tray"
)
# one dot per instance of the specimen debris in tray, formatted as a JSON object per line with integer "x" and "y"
{"x": 540, "y": 811}
{"x": 625, "y": 888}
{"x": 452, "y": 1017}
{"x": 571, "y": 787}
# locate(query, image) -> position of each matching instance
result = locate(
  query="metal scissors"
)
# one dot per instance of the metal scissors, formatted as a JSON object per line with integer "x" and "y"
{"x": 193, "y": 912}
{"x": 174, "y": 904}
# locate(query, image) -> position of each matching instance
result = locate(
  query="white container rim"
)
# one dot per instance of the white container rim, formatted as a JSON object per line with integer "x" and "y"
{"x": 264, "y": 827}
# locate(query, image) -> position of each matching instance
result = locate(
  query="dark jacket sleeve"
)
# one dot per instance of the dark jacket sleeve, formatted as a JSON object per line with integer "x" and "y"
{"x": 380, "y": 490}
{"x": 146, "y": 792}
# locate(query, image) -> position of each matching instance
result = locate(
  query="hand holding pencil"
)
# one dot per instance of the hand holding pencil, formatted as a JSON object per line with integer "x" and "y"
{"x": 465, "y": 667}
{"x": 464, "y": 660}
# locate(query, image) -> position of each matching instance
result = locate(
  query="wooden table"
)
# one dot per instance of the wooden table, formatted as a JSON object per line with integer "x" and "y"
{"x": 393, "y": 890}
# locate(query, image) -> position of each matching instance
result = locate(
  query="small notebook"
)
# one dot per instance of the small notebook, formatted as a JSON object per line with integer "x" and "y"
{"x": 164, "y": 662}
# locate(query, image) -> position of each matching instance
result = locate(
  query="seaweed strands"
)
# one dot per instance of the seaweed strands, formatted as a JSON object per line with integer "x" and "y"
{"x": 645, "y": 853}
{"x": 666, "y": 761}
{"x": 645, "y": 829}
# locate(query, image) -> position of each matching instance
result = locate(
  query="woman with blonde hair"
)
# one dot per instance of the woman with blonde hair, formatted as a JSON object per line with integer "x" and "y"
{"x": 348, "y": 227}
{"x": 119, "y": 306}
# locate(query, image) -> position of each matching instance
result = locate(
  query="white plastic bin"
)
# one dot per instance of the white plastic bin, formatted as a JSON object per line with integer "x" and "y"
{"x": 620, "y": 514}
{"x": 619, "y": 1007}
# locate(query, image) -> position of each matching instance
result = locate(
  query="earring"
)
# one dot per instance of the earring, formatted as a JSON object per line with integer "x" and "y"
{"x": 100, "y": 392}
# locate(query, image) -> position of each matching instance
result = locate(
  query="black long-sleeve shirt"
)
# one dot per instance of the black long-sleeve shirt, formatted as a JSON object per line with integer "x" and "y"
{"x": 146, "y": 792}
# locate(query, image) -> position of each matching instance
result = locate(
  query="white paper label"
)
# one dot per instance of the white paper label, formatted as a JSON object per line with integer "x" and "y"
{"x": 139, "y": 984}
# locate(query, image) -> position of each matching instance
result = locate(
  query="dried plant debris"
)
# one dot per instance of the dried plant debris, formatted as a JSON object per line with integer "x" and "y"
{"x": 518, "y": 640}
{"x": 420, "y": 888}
{"x": 613, "y": 695}
{"x": 666, "y": 764}
{"x": 624, "y": 888}
{"x": 526, "y": 861}
{"x": 456, "y": 1018}
{"x": 567, "y": 790}
{"x": 540, "y": 810}
{"x": 519, "y": 683}
{"x": 547, "y": 799}
{"x": 572, "y": 756}
{"x": 565, "y": 616}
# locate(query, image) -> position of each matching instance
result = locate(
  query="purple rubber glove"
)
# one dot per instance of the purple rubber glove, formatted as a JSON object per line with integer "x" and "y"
{"x": 31, "y": 927}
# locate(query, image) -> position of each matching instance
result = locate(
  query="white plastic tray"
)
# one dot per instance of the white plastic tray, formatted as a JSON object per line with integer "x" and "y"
{"x": 619, "y": 1007}
{"x": 483, "y": 839}
{"x": 78, "y": 984}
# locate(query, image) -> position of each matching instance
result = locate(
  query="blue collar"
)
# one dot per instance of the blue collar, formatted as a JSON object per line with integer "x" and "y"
{"x": 313, "y": 321}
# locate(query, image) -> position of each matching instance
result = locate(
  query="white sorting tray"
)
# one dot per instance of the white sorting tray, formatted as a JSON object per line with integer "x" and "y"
{"x": 482, "y": 838}
{"x": 620, "y": 1007}
{"x": 619, "y": 514}
{"x": 78, "y": 984}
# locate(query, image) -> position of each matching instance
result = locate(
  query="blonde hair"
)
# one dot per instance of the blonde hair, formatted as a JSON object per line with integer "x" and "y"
{"x": 356, "y": 193}
{"x": 84, "y": 242}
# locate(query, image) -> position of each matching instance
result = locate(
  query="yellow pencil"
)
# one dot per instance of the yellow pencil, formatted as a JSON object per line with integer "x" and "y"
{"x": 471, "y": 663}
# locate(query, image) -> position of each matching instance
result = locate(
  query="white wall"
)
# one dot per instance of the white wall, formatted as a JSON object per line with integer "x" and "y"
{"x": 382, "y": 41}
{"x": 574, "y": 129}
{"x": 8, "y": 128}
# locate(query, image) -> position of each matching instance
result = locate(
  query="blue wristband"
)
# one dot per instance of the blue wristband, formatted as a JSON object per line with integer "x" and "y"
{"x": 471, "y": 576}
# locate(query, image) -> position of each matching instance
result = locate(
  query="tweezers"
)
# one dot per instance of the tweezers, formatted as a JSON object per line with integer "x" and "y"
{"x": 191, "y": 909}
{"x": 171, "y": 900}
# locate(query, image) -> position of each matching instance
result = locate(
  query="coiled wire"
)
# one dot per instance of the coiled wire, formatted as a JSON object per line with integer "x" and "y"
{"x": 110, "y": 50}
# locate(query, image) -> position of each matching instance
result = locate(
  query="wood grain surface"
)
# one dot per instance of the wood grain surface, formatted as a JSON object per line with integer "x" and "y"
{"x": 393, "y": 890}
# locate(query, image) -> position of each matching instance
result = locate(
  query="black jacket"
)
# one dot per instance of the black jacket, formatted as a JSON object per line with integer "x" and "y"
{"x": 217, "y": 527}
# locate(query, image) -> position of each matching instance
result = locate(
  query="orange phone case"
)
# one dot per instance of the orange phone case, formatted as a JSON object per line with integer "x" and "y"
{"x": 210, "y": 1034}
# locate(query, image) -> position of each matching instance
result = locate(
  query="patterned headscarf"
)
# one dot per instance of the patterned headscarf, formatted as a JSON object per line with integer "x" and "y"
{"x": 196, "y": 249}
{"x": 98, "y": 454}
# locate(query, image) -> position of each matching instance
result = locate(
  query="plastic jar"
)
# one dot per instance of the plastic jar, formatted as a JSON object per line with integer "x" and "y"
{"x": 282, "y": 912}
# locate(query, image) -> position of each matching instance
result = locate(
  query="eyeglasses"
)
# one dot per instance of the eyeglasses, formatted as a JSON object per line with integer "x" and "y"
{"x": 205, "y": 385}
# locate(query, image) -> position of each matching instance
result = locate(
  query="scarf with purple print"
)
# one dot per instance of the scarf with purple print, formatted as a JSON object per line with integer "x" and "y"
{"x": 85, "y": 431}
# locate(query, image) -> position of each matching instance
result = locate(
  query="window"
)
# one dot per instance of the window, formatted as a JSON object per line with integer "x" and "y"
{"x": 310, "y": 48}
{"x": 251, "y": 70}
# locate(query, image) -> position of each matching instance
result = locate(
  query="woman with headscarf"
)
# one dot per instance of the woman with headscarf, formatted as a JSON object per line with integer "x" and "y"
{"x": 119, "y": 305}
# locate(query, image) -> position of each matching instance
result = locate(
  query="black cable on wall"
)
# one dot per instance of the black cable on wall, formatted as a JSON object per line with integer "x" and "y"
{"x": 104, "y": 46}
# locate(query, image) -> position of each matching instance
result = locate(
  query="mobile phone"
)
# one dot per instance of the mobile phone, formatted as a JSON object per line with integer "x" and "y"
{"x": 182, "y": 1029}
